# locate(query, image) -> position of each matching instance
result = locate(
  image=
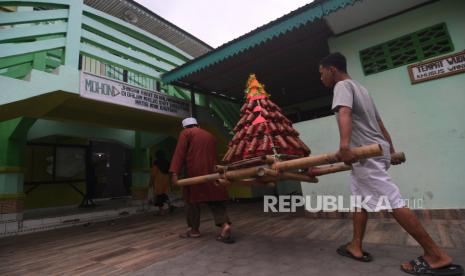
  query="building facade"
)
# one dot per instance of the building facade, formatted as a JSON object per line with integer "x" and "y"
{"x": 56, "y": 55}
{"x": 424, "y": 118}
{"x": 82, "y": 105}
{"x": 410, "y": 56}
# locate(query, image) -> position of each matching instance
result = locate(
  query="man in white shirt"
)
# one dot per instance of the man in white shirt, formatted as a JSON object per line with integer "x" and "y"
{"x": 360, "y": 124}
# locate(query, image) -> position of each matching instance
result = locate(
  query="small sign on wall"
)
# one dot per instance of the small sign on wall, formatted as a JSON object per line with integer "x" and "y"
{"x": 117, "y": 92}
{"x": 437, "y": 68}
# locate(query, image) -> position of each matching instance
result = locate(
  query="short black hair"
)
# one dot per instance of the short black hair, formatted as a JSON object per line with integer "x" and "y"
{"x": 335, "y": 59}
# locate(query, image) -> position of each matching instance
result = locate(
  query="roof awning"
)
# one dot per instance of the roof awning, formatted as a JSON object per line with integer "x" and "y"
{"x": 141, "y": 17}
{"x": 284, "y": 54}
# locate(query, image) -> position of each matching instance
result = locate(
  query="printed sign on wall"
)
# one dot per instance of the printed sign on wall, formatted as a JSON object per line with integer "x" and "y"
{"x": 437, "y": 68}
{"x": 116, "y": 92}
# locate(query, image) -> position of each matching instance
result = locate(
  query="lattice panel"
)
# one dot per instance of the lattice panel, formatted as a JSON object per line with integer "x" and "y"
{"x": 426, "y": 43}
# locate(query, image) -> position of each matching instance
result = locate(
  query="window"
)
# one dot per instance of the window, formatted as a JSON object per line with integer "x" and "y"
{"x": 423, "y": 44}
{"x": 141, "y": 80}
{"x": 100, "y": 68}
{"x": 53, "y": 163}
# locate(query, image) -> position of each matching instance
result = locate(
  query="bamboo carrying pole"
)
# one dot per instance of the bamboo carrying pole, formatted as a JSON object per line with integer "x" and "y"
{"x": 243, "y": 182}
{"x": 271, "y": 176}
{"x": 305, "y": 162}
{"x": 340, "y": 167}
{"x": 265, "y": 180}
{"x": 330, "y": 158}
{"x": 327, "y": 169}
{"x": 229, "y": 175}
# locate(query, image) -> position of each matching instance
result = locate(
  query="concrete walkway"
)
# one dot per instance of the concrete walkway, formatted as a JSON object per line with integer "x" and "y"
{"x": 256, "y": 255}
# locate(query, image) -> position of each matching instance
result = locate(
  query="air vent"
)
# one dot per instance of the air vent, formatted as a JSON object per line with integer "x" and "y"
{"x": 423, "y": 44}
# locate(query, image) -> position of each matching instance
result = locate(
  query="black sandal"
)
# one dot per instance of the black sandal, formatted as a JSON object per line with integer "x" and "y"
{"x": 225, "y": 239}
{"x": 342, "y": 250}
{"x": 421, "y": 267}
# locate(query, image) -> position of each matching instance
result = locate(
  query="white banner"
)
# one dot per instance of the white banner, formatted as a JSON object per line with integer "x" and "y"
{"x": 117, "y": 92}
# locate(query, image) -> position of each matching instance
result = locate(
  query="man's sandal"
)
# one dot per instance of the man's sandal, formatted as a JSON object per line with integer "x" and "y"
{"x": 342, "y": 250}
{"x": 225, "y": 239}
{"x": 421, "y": 267}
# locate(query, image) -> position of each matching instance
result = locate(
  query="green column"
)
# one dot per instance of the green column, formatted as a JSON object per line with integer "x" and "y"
{"x": 39, "y": 61}
{"x": 73, "y": 34}
{"x": 193, "y": 105}
{"x": 140, "y": 168}
{"x": 202, "y": 101}
{"x": 13, "y": 137}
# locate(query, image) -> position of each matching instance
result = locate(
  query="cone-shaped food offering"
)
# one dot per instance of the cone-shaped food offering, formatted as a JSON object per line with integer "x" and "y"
{"x": 267, "y": 130}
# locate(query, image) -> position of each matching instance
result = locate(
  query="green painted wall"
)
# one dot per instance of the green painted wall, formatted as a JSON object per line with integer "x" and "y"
{"x": 425, "y": 120}
{"x": 12, "y": 138}
{"x": 11, "y": 183}
{"x": 12, "y": 141}
{"x": 44, "y": 128}
{"x": 53, "y": 195}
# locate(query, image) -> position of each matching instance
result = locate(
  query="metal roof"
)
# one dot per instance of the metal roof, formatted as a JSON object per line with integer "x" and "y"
{"x": 284, "y": 54}
{"x": 138, "y": 15}
{"x": 276, "y": 28}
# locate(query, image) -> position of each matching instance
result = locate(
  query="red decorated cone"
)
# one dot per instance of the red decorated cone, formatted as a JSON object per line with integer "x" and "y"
{"x": 262, "y": 128}
{"x": 259, "y": 120}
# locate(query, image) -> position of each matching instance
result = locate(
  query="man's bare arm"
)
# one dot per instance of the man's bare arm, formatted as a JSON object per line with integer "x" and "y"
{"x": 386, "y": 135}
{"x": 345, "y": 132}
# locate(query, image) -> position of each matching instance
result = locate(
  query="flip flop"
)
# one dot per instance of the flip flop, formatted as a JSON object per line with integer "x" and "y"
{"x": 225, "y": 239}
{"x": 342, "y": 250}
{"x": 421, "y": 267}
{"x": 189, "y": 235}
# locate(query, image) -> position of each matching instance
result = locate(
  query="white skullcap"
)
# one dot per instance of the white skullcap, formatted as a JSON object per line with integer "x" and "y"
{"x": 189, "y": 121}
